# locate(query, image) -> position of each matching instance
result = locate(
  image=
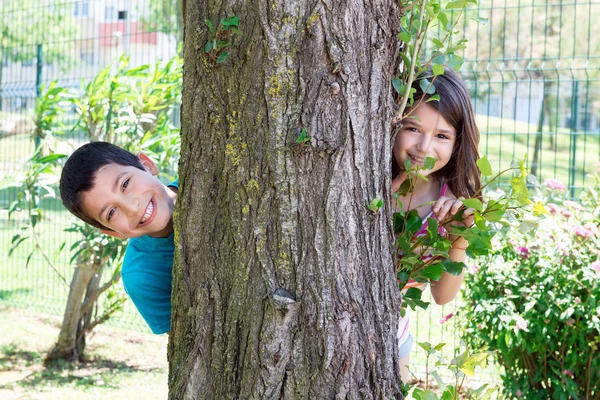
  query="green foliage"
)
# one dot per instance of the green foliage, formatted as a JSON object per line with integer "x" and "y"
{"x": 534, "y": 299}
{"x": 419, "y": 18}
{"x": 130, "y": 107}
{"x": 375, "y": 205}
{"x": 50, "y": 104}
{"x": 462, "y": 365}
{"x": 221, "y": 38}
{"x": 423, "y": 256}
{"x": 26, "y": 23}
{"x": 35, "y": 183}
{"x": 133, "y": 107}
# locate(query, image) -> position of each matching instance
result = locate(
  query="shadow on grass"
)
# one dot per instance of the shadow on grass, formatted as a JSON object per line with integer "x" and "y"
{"x": 96, "y": 372}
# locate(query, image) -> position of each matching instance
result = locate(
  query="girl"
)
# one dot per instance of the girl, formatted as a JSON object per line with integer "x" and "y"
{"x": 444, "y": 130}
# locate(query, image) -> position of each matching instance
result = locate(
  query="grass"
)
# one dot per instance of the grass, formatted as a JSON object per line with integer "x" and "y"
{"x": 119, "y": 364}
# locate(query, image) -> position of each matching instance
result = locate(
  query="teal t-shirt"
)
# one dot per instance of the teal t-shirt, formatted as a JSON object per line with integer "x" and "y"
{"x": 147, "y": 274}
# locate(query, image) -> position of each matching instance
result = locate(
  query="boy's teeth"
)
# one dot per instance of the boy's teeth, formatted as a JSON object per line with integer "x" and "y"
{"x": 148, "y": 212}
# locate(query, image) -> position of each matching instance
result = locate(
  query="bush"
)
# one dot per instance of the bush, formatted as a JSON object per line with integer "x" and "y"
{"x": 534, "y": 300}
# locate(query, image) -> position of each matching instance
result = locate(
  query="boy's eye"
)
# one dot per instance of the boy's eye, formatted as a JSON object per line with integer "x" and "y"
{"x": 111, "y": 212}
{"x": 125, "y": 183}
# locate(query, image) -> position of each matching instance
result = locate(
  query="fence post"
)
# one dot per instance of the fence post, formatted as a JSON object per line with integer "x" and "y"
{"x": 38, "y": 85}
{"x": 573, "y": 141}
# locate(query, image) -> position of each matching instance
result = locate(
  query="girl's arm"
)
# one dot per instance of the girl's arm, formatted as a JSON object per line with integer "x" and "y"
{"x": 446, "y": 289}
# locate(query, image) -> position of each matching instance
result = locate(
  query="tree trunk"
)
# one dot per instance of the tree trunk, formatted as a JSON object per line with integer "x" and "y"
{"x": 284, "y": 283}
{"x": 67, "y": 347}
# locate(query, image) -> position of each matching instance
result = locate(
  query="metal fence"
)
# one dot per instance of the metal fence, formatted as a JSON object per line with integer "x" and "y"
{"x": 533, "y": 71}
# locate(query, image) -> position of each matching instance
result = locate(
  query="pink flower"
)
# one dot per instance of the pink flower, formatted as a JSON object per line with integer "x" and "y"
{"x": 570, "y": 322}
{"x": 473, "y": 269}
{"x": 555, "y": 184}
{"x": 480, "y": 326}
{"x": 445, "y": 319}
{"x": 596, "y": 265}
{"x": 568, "y": 373}
{"x": 565, "y": 250}
{"x": 553, "y": 208}
{"x": 573, "y": 205}
{"x": 582, "y": 232}
{"x": 566, "y": 213}
{"x": 522, "y": 251}
{"x": 519, "y": 393}
{"x": 520, "y": 323}
{"x": 577, "y": 300}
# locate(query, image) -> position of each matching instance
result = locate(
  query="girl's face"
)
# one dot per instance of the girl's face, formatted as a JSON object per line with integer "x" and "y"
{"x": 428, "y": 136}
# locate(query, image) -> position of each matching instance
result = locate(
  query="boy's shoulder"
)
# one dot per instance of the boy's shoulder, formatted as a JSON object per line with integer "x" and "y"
{"x": 147, "y": 254}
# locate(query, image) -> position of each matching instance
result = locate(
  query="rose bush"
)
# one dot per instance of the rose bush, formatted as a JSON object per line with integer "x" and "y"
{"x": 535, "y": 299}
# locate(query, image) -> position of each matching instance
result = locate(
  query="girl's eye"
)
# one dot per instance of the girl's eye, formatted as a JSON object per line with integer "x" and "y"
{"x": 110, "y": 214}
{"x": 125, "y": 183}
{"x": 412, "y": 129}
{"x": 442, "y": 136}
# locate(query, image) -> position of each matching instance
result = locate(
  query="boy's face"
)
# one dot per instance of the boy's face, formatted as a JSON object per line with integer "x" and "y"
{"x": 130, "y": 201}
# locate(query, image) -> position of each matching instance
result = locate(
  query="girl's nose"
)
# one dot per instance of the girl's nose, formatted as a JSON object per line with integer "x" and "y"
{"x": 424, "y": 143}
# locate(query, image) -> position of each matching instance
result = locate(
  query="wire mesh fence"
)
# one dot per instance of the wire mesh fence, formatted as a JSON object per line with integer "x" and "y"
{"x": 532, "y": 68}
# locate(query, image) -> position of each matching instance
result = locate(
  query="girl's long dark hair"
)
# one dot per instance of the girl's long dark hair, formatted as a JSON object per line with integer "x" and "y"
{"x": 461, "y": 173}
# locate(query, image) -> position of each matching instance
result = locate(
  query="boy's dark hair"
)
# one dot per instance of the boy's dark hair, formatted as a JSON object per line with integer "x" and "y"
{"x": 79, "y": 174}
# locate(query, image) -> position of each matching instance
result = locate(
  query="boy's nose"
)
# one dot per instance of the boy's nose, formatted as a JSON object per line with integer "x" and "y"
{"x": 133, "y": 205}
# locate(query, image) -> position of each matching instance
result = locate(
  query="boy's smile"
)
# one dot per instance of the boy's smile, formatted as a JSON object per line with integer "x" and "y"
{"x": 130, "y": 201}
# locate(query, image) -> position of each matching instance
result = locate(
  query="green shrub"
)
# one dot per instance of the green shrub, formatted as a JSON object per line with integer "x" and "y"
{"x": 534, "y": 300}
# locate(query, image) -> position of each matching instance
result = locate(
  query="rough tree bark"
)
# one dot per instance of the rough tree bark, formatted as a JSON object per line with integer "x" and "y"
{"x": 284, "y": 283}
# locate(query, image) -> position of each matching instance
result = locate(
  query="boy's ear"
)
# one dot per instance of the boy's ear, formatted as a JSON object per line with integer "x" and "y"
{"x": 148, "y": 163}
{"x": 113, "y": 234}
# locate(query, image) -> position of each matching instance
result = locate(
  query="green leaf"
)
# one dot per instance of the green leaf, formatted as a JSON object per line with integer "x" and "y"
{"x": 456, "y": 4}
{"x": 432, "y": 227}
{"x": 443, "y": 18}
{"x": 438, "y": 43}
{"x": 481, "y": 20}
{"x": 454, "y": 267}
{"x": 484, "y": 166}
{"x": 413, "y": 293}
{"x": 455, "y": 62}
{"x": 426, "y": 86}
{"x": 208, "y": 47}
{"x": 375, "y": 204}
{"x": 404, "y": 36}
{"x": 51, "y": 158}
{"x": 404, "y": 187}
{"x": 473, "y": 203}
{"x": 222, "y": 57}
{"x": 429, "y": 162}
{"x": 437, "y": 69}
{"x": 210, "y": 25}
{"x": 434, "y": 272}
{"x": 398, "y": 85}
{"x": 302, "y": 137}
{"x": 413, "y": 222}
{"x": 404, "y": 244}
{"x": 231, "y": 21}
{"x": 435, "y": 97}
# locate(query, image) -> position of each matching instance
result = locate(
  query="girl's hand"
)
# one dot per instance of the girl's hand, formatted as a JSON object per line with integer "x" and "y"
{"x": 446, "y": 207}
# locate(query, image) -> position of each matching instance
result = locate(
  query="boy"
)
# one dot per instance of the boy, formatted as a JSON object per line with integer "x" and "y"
{"x": 119, "y": 193}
